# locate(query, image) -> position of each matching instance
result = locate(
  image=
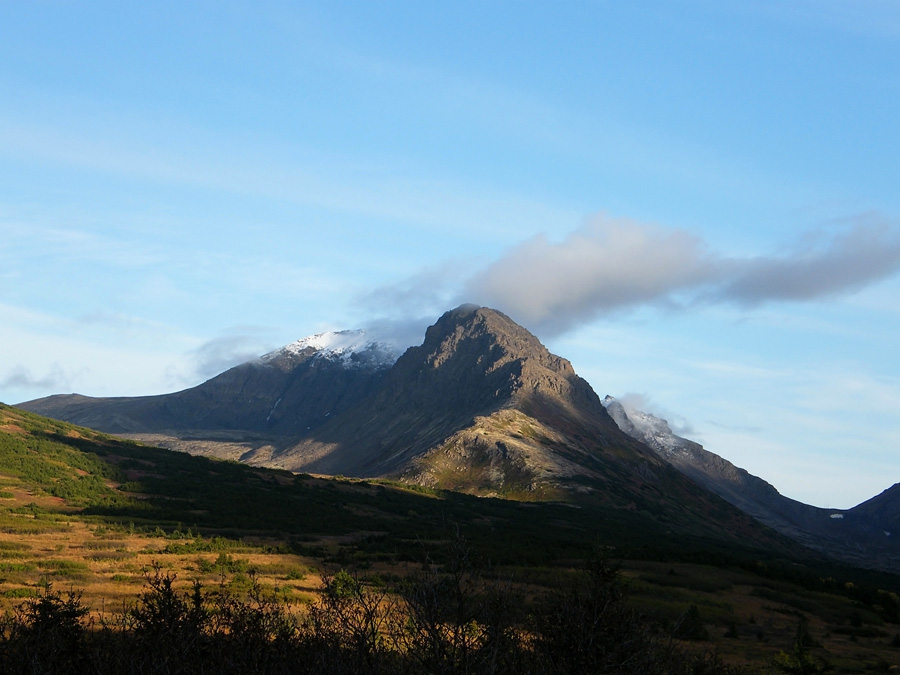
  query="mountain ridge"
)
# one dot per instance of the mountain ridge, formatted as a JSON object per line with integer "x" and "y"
{"x": 480, "y": 406}
{"x": 861, "y": 535}
{"x": 284, "y": 392}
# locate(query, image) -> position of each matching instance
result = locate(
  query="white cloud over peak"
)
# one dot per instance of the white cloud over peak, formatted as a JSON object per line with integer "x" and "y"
{"x": 612, "y": 265}
{"x": 604, "y": 266}
{"x": 608, "y": 266}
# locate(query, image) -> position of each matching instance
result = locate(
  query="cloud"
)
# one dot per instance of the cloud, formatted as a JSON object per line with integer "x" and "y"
{"x": 634, "y": 402}
{"x": 614, "y": 265}
{"x": 21, "y": 377}
{"x": 604, "y": 266}
{"x": 220, "y": 354}
{"x": 820, "y": 266}
{"x": 427, "y": 292}
{"x": 400, "y": 333}
{"x": 609, "y": 266}
{"x": 403, "y": 311}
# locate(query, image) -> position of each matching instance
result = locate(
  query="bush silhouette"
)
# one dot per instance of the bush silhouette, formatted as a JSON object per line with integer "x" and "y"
{"x": 447, "y": 618}
{"x": 45, "y": 635}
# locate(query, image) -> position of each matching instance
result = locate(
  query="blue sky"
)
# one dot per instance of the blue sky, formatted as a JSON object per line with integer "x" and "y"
{"x": 695, "y": 202}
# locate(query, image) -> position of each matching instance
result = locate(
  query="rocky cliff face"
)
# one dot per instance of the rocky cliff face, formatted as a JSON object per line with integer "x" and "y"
{"x": 473, "y": 363}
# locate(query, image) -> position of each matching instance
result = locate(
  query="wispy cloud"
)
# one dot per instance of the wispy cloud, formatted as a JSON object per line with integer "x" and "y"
{"x": 21, "y": 377}
{"x": 425, "y": 293}
{"x": 604, "y": 266}
{"x": 224, "y": 352}
{"x": 634, "y": 402}
{"x": 823, "y": 264}
{"x": 608, "y": 266}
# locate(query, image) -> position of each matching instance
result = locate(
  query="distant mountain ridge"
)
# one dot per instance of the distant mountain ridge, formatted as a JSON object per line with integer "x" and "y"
{"x": 866, "y": 533}
{"x": 283, "y": 393}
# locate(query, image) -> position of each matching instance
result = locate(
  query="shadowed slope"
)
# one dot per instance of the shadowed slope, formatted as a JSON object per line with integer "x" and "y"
{"x": 283, "y": 394}
{"x": 863, "y": 535}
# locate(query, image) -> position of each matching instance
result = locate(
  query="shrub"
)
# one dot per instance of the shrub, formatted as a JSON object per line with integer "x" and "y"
{"x": 45, "y": 635}
{"x": 450, "y": 618}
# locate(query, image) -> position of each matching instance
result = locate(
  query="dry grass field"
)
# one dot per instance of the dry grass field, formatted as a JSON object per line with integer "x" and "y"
{"x": 108, "y": 564}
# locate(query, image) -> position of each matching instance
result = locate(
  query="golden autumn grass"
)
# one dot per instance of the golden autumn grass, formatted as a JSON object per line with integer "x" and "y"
{"x": 108, "y": 565}
{"x": 746, "y": 627}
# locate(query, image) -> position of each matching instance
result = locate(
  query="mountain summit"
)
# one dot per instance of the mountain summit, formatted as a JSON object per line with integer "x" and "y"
{"x": 476, "y": 373}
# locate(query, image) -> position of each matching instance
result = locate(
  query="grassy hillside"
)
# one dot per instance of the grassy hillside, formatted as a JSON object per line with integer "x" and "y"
{"x": 86, "y": 511}
{"x": 106, "y": 481}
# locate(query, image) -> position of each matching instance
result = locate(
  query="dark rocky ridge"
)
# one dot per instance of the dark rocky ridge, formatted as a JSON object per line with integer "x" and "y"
{"x": 282, "y": 396}
{"x": 863, "y": 535}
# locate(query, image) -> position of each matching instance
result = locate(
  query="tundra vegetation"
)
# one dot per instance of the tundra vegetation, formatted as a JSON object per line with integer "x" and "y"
{"x": 115, "y": 557}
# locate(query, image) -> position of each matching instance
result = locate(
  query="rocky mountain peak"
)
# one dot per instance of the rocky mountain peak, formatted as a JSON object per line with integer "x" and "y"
{"x": 480, "y": 329}
{"x": 480, "y": 357}
{"x": 473, "y": 363}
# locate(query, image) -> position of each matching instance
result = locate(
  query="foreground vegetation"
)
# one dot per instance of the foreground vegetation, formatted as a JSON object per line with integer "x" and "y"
{"x": 441, "y": 620}
{"x": 113, "y": 551}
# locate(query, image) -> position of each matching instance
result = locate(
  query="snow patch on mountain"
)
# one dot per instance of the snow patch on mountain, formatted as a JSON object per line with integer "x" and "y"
{"x": 647, "y": 428}
{"x": 352, "y": 348}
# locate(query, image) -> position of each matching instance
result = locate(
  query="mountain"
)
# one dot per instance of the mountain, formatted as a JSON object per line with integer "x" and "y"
{"x": 481, "y": 389}
{"x": 283, "y": 393}
{"x": 751, "y": 494}
{"x": 473, "y": 362}
{"x": 864, "y": 535}
{"x": 480, "y": 406}
{"x": 881, "y": 513}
